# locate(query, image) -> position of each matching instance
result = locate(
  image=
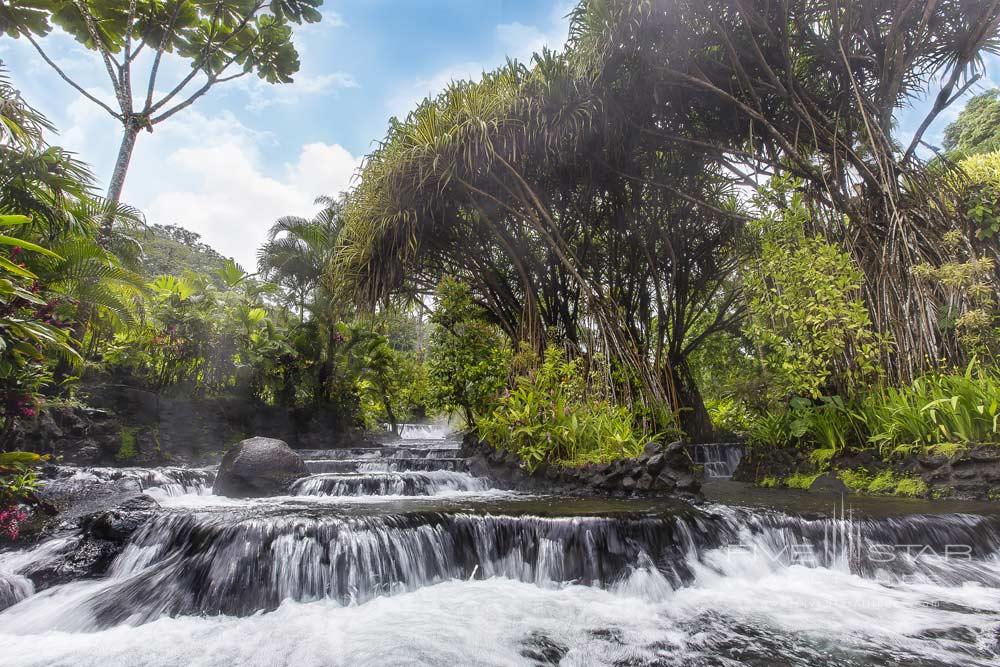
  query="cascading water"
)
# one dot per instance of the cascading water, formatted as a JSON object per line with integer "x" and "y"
{"x": 372, "y": 483}
{"x": 479, "y": 577}
{"x": 720, "y": 460}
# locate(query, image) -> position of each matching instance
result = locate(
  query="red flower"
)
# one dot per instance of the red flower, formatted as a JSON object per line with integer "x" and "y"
{"x": 10, "y": 521}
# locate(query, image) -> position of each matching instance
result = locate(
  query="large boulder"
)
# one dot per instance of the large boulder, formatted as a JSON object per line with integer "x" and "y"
{"x": 258, "y": 467}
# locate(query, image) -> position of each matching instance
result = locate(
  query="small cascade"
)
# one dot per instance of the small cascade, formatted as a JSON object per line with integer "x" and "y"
{"x": 377, "y": 453}
{"x": 423, "y": 431}
{"x": 519, "y": 579}
{"x": 719, "y": 460}
{"x": 386, "y": 484}
{"x": 429, "y": 464}
{"x": 167, "y": 481}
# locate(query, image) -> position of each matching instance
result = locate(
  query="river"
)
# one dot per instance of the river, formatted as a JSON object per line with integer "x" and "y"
{"x": 396, "y": 556}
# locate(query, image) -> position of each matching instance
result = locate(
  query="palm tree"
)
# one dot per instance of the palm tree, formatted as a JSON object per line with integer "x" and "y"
{"x": 298, "y": 250}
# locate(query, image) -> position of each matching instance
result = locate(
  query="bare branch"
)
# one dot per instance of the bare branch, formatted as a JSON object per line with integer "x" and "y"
{"x": 125, "y": 103}
{"x": 194, "y": 96}
{"x": 70, "y": 81}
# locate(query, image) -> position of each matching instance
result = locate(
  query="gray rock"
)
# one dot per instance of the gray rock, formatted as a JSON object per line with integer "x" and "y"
{"x": 258, "y": 467}
{"x": 628, "y": 483}
{"x": 645, "y": 483}
{"x": 827, "y": 483}
{"x": 655, "y": 464}
{"x": 119, "y": 523}
{"x": 664, "y": 481}
{"x": 688, "y": 484}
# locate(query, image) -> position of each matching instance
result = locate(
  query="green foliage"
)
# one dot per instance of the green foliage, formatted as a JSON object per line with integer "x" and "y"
{"x": 977, "y": 128}
{"x": 856, "y": 480}
{"x": 935, "y": 409}
{"x": 829, "y": 424}
{"x": 168, "y": 250}
{"x": 800, "y": 480}
{"x": 18, "y": 483}
{"x": 806, "y": 320}
{"x": 467, "y": 359}
{"x": 769, "y": 483}
{"x": 884, "y": 483}
{"x": 771, "y": 429}
{"x": 549, "y": 416}
{"x": 729, "y": 414}
{"x": 127, "y": 451}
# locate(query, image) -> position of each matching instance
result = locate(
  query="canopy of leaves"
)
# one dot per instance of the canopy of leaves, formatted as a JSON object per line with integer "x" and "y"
{"x": 977, "y": 129}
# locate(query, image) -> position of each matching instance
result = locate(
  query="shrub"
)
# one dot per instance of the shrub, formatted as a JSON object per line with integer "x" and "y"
{"x": 886, "y": 483}
{"x": 772, "y": 429}
{"x": 805, "y": 315}
{"x": 549, "y": 417}
{"x": 856, "y": 480}
{"x": 935, "y": 409}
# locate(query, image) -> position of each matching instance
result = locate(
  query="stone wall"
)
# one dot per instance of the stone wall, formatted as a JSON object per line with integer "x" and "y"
{"x": 127, "y": 426}
{"x": 661, "y": 470}
{"x": 973, "y": 473}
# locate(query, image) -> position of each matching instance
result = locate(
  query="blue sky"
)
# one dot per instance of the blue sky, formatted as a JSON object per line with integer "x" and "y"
{"x": 248, "y": 153}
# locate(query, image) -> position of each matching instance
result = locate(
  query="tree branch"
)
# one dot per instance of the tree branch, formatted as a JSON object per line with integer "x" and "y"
{"x": 206, "y": 52}
{"x": 70, "y": 81}
{"x": 109, "y": 64}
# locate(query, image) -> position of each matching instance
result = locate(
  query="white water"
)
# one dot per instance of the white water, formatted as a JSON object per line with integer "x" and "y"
{"x": 784, "y": 615}
{"x": 409, "y": 594}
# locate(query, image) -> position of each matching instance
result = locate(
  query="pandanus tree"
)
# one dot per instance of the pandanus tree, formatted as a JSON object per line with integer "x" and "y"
{"x": 222, "y": 40}
{"x": 531, "y": 189}
{"x": 812, "y": 88}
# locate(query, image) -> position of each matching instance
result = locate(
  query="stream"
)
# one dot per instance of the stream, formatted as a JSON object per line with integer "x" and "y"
{"x": 397, "y": 556}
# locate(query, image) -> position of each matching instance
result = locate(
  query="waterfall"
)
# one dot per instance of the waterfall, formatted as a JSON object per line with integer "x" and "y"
{"x": 434, "y": 568}
{"x": 372, "y": 483}
{"x": 719, "y": 460}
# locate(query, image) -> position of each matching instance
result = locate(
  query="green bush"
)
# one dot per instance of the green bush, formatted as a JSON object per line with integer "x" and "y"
{"x": 549, "y": 417}
{"x": 933, "y": 410}
{"x": 772, "y": 429}
{"x": 467, "y": 362}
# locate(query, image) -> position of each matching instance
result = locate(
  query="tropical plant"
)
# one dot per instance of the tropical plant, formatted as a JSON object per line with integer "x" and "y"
{"x": 805, "y": 318}
{"x": 976, "y": 128}
{"x": 935, "y": 409}
{"x": 298, "y": 251}
{"x": 549, "y": 416}
{"x": 467, "y": 359}
{"x": 32, "y": 335}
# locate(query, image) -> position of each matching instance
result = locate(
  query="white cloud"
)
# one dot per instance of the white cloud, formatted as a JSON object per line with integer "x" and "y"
{"x": 209, "y": 174}
{"x": 234, "y": 198}
{"x": 263, "y": 95}
{"x": 520, "y": 41}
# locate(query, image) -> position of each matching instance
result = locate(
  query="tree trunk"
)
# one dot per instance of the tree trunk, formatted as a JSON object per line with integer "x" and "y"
{"x": 389, "y": 413}
{"x": 118, "y": 175}
{"x": 694, "y": 418}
